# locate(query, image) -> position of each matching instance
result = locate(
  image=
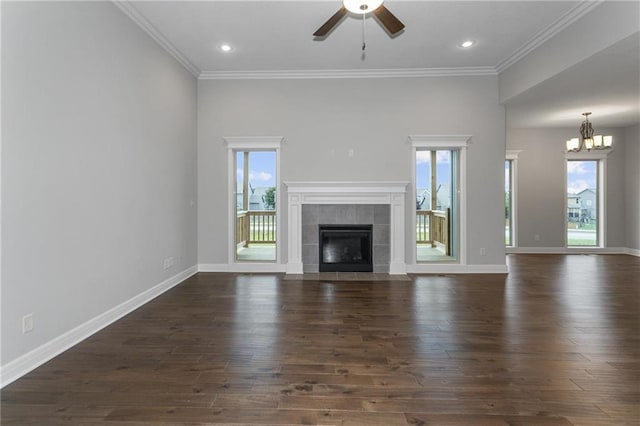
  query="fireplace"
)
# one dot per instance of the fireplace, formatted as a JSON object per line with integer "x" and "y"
{"x": 366, "y": 198}
{"x": 345, "y": 248}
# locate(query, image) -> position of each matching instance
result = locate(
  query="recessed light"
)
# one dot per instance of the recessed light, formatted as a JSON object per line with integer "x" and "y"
{"x": 467, "y": 44}
{"x": 226, "y": 47}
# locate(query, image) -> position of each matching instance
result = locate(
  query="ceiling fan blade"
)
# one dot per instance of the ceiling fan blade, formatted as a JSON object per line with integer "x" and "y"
{"x": 388, "y": 20}
{"x": 331, "y": 23}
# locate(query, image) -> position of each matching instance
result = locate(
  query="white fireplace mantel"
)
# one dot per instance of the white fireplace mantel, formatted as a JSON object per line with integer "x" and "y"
{"x": 391, "y": 193}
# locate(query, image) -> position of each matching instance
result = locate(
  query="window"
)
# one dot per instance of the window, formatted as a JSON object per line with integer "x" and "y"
{"x": 436, "y": 205}
{"x": 510, "y": 204}
{"x": 253, "y": 188}
{"x": 583, "y": 216}
{"x": 508, "y": 227}
{"x": 439, "y": 179}
{"x": 255, "y": 191}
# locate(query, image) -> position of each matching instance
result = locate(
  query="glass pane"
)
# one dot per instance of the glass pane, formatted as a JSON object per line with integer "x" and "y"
{"x": 423, "y": 180}
{"x": 582, "y": 203}
{"x": 443, "y": 180}
{"x": 507, "y": 203}
{"x": 255, "y": 206}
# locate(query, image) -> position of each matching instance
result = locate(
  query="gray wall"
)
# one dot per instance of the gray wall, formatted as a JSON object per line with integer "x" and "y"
{"x": 98, "y": 166}
{"x": 541, "y": 190}
{"x": 322, "y": 119}
{"x": 632, "y": 186}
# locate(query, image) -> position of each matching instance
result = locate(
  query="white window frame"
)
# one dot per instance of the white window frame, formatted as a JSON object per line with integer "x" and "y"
{"x": 512, "y": 155}
{"x": 251, "y": 143}
{"x": 601, "y": 157}
{"x": 458, "y": 143}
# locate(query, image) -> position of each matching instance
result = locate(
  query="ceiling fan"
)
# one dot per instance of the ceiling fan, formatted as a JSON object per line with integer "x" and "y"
{"x": 362, "y": 7}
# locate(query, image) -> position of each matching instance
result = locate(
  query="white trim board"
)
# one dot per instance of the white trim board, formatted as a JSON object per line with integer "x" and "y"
{"x": 632, "y": 252}
{"x": 555, "y": 28}
{"x": 349, "y": 73}
{"x": 258, "y": 268}
{"x": 136, "y": 16}
{"x": 22, "y": 365}
{"x": 567, "y": 250}
{"x": 442, "y": 268}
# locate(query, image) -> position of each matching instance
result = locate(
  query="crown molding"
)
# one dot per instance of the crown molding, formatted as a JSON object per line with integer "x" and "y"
{"x": 137, "y": 17}
{"x": 559, "y": 25}
{"x": 364, "y": 73}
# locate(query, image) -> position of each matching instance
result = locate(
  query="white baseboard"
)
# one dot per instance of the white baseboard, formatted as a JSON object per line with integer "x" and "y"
{"x": 456, "y": 269}
{"x": 567, "y": 250}
{"x": 22, "y": 365}
{"x": 633, "y": 252}
{"x": 242, "y": 267}
{"x": 397, "y": 268}
{"x": 294, "y": 268}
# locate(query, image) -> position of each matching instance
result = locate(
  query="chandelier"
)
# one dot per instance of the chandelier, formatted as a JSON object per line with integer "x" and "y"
{"x": 587, "y": 140}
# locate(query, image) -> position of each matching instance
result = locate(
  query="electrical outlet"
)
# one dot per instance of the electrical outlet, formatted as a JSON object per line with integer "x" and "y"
{"x": 168, "y": 262}
{"x": 483, "y": 251}
{"x": 27, "y": 323}
{"x": 536, "y": 237}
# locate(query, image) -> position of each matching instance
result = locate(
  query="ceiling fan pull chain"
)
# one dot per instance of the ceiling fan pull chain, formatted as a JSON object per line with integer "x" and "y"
{"x": 364, "y": 44}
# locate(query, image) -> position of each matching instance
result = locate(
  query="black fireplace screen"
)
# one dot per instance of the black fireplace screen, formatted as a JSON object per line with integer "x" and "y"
{"x": 345, "y": 248}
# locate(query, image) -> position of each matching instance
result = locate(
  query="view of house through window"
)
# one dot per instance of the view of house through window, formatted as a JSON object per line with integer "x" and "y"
{"x": 255, "y": 189}
{"x": 582, "y": 203}
{"x": 508, "y": 203}
{"x": 436, "y": 205}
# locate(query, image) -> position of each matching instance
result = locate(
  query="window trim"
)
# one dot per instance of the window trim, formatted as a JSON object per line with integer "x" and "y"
{"x": 251, "y": 143}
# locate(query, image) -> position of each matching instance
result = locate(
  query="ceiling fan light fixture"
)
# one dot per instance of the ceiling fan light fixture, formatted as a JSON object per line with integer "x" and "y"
{"x": 361, "y": 6}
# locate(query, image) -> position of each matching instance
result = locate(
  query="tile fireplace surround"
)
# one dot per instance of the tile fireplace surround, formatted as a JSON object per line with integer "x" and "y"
{"x": 351, "y": 193}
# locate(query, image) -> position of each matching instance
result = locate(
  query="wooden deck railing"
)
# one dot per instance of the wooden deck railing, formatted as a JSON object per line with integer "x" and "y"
{"x": 432, "y": 227}
{"x": 256, "y": 226}
{"x": 423, "y": 221}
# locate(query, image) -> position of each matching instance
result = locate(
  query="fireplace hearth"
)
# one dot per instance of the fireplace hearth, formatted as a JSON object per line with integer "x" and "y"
{"x": 345, "y": 248}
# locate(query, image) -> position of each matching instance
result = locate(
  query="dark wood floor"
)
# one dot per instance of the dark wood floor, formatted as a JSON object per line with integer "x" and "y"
{"x": 554, "y": 343}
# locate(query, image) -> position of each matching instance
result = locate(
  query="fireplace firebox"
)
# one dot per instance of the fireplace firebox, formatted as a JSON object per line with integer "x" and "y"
{"x": 345, "y": 248}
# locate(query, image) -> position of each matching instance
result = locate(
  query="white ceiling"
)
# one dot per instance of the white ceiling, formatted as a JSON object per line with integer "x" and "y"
{"x": 275, "y": 38}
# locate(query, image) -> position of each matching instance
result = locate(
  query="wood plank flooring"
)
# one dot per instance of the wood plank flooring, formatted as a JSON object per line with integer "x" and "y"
{"x": 556, "y": 342}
